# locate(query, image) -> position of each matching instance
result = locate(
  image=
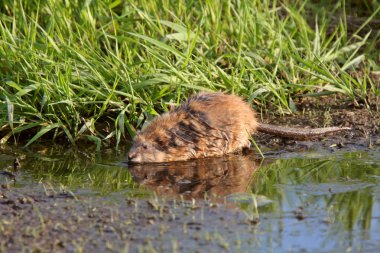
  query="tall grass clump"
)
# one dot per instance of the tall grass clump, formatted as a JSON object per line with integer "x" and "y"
{"x": 96, "y": 70}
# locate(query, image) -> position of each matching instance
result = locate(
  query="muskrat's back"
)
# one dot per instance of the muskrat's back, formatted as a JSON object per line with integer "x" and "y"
{"x": 207, "y": 124}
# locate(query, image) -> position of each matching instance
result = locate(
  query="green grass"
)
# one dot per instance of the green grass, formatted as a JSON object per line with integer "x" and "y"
{"x": 95, "y": 70}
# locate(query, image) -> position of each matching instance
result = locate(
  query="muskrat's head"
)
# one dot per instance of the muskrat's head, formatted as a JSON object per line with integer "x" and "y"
{"x": 166, "y": 138}
{"x": 145, "y": 150}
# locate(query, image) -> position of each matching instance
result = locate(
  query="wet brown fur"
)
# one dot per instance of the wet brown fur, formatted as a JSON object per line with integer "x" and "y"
{"x": 207, "y": 124}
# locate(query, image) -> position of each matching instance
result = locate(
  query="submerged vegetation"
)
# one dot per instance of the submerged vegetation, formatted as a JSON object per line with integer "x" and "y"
{"x": 95, "y": 70}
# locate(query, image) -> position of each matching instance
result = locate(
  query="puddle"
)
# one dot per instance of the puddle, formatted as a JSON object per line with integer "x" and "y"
{"x": 298, "y": 202}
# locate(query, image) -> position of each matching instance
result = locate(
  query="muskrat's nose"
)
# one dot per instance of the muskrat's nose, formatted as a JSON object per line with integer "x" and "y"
{"x": 131, "y": 155}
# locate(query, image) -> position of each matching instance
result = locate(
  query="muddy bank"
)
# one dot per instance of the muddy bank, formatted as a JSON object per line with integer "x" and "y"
{"x": 62, "y": 222}
{"x": 363, "y": 118}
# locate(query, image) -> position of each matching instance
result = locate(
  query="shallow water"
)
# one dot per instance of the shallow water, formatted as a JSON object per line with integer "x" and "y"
{"x": 305, "y": 202}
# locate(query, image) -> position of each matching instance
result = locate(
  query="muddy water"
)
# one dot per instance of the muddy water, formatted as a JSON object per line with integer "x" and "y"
{"x": 287, "y": 202}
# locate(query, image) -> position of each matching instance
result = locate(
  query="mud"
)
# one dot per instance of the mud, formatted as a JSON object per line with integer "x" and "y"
{"x": 362, "y": 117}
{"x": 36, "y": 222}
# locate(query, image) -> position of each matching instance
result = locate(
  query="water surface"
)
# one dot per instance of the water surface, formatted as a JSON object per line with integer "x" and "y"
{"x": 298, "y": 202}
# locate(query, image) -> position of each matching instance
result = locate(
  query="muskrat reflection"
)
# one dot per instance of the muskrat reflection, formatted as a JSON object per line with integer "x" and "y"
{"x": 194, "y": 179}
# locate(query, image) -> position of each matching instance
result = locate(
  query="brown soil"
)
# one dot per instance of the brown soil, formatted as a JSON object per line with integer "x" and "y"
{"x": 364, "y": 119}
{"x": 39, "y": 222}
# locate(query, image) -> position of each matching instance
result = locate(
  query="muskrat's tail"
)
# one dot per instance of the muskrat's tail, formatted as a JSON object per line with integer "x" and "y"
{"x": 298, "y": 133}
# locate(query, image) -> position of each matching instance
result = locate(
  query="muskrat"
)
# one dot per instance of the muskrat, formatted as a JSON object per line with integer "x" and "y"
{"x": 207, "y": 124}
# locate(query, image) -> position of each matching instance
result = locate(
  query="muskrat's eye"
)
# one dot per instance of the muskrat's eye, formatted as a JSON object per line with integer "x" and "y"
{"x": 145, "y": 146}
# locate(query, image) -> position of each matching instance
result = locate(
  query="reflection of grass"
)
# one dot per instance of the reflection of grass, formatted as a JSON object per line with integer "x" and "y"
{"x": 352, "y": 207}
{"x": 75, "y": 172}
{"x": 94, "y": 70}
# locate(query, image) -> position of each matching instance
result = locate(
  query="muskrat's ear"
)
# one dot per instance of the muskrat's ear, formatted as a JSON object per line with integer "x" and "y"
{"x": 172, "y": 107}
